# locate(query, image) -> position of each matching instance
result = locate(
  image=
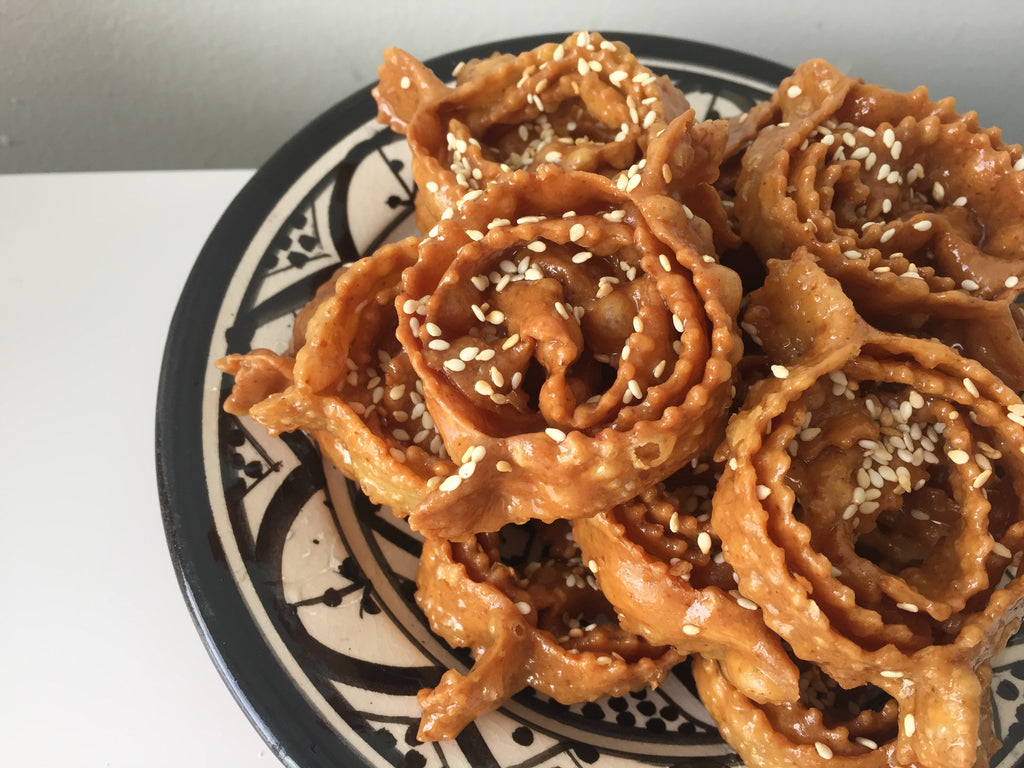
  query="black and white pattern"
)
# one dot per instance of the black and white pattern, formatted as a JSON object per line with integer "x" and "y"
{"x": 301, "y": 587}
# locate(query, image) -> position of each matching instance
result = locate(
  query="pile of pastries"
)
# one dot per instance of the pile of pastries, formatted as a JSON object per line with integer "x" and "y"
{"x": 738, "y": 392}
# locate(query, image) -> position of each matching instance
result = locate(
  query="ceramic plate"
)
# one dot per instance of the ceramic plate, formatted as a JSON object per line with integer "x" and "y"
{"x": 302, "y": 589}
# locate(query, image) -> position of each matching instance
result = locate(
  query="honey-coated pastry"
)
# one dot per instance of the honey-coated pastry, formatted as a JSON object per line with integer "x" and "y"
{"x": 551, "y": 384}
{"x": 583, "y": 104}
{"x": 351, "y": 385}
{"x": 570, "y": 357}
{"x": 871, "y": 507}
{"x": 535, "y": 620}
{"x": 657, "y": 561}
{"x": 915, "y": 209}
{"x": 826, "y": 727}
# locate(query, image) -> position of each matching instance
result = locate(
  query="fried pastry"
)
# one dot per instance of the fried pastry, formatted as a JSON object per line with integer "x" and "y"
{"x": 658, "y": 562}
{"x": 871, "y": 508}
{"x": 583, "y": 104}
{"x": 570, "y": 357}
{"x": 827, "y": 726}
{"x": 914, "y": 208}
{"x": 536, "y": 619}
{"x": 351, "y": 385}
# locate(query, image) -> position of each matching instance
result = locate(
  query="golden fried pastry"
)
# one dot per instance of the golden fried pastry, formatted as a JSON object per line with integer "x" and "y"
{"x": 536, "y": 620}
{"x": 871, "y": 507}
{"x": 917, "y": 211}
{"x": 827, "y": 726}
{"x": 583, "y": 104}
{"x": 570, "y": 357}
{"x": 658, "y": 562}
{"x": 351, "y": 385}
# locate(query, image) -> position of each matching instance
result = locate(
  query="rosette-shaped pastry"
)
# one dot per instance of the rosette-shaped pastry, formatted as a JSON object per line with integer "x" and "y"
{"x": 871, "y": 507}
{"x": 659, "y": 563}
{"x": 533, "y": 618}
{"x": 351, "y": 385}
{"x": 583, "y": 104}
{"x": 917, "y": 211}
{"x": 569, "y": 358}
{"x": 827, "y": 726}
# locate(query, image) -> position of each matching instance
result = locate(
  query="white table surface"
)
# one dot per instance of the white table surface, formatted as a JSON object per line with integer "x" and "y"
{"x": 100, "y": 664}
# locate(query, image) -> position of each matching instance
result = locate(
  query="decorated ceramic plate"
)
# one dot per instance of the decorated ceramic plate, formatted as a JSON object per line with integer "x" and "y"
{"x": 301, "y": 588}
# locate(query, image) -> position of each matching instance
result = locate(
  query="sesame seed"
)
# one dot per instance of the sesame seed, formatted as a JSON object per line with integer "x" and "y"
{"x": 673, "y": 522}
{"x": 523, "y": 607}
{"x": 483, "y": 388}
{"x": 780, "y": 371}
{"x": 576, "y": 231}
{"x": 909, "y": 725}
{"x": 439, "y": 345}
{"x": 634, "y": 389}
{"x": 748, "y": 604}
{"x": 793, "y": 91}
{"x": 592, "y": 565}
{"x": 581, "y": 257}
{"x": 1011, "y": 281}
{"x": 691, "y": 629}
{"x": 503, "y": 466}
{"x": 969, "y": 285}
{"x": 923, "y": 226}
{"x": 433, "y": 329}
{"x": 891, "y": 673}
{"x": 763, "y": 492}
{"x": 555, "y": 434}
{"x": 823, "y": 750}
{"x": 864, "y": 741}
{"x": 908, "y": 607}
{"x": 971, "y": 387}
{"x": 704, "y": 542}
{"x": 450, "y": 483}
{"x": 998, "y": 548}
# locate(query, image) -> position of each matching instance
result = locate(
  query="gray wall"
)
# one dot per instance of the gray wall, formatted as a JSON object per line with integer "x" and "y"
{"x": 140, "y": 84}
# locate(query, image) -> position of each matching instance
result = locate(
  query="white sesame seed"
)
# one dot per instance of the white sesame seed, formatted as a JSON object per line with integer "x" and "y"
{"x": 1000, "y": 549}
{"x": 581, "y": 257}
{"x": 438, "y": 345}
{"x": 450, "y": 483}
{"x": 691, "y": 629}
{"x": 864, "y": 741}
{"x": 576, "y": 231}
{"x": 923, "y": 226}
{"x": 503, "y": 466}
{"x": 555, "y": 434}
{"x": 908, "y": 607}
{"x": 763, "y": 492}
{"x": 780, "y": 371}
{"x": 824, "y": 750}
{"x": 909, "y": 725}
{"x": 483, "y": 388}
{"x": 744, "y": 602}
{"x": 704, "y": 542}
